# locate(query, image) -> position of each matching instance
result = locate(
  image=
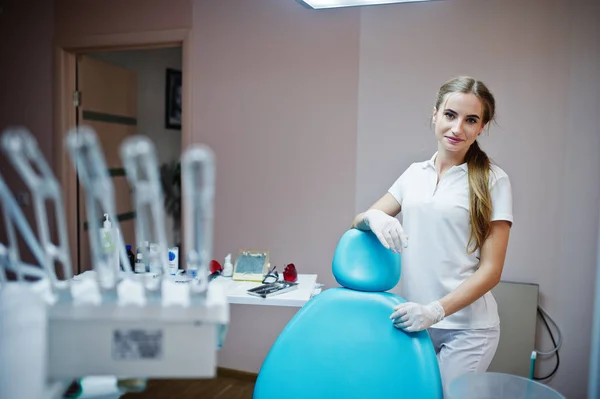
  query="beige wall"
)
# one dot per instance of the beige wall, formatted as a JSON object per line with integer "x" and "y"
{"x": 572, "y": 290}
{"x": 26, "y": 73}
{"x": 313, "y": 114}
{"x": 275, "y": 97}
{"x": 76, "y": 18}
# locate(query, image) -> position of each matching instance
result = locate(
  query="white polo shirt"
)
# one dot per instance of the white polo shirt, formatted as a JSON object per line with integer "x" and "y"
{"x": 436, "y": 220}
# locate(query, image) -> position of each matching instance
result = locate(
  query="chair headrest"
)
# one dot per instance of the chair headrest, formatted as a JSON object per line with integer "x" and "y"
{"x": 361, "y": 263}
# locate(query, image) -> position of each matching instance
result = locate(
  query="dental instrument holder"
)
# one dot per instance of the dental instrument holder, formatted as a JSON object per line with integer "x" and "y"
{"x": 155, "y": 330}
{"x": 127, "y": 340}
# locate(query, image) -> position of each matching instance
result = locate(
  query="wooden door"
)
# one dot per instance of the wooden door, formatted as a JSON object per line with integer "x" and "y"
{"x": 108, "y": 104}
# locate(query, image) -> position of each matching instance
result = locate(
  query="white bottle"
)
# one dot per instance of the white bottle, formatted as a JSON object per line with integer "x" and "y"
{"x": 173, "y": 260}
{"x": 140, "y": 266}
{"x": 227, "y": 267}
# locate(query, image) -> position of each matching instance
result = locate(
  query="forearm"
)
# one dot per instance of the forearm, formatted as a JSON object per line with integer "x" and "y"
{"x": 493, "y": 253}
{"x": 386, "y": 204}
{"x": 471, "y": 289}
{"x": 359, "y": 222}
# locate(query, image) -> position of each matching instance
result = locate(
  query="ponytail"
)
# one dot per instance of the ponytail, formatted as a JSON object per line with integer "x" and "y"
{"x": 478, "y": 163}
{"x": 480, "y": 200}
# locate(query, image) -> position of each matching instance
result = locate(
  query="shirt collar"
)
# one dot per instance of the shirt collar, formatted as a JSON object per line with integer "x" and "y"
{"x": 431, "y": 163}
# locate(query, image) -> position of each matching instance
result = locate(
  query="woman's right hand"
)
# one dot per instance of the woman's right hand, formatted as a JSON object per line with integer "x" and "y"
{"x": 387, "y": 228}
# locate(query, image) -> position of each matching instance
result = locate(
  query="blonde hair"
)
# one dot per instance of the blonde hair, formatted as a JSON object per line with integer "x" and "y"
{"x": 480, "y": 201}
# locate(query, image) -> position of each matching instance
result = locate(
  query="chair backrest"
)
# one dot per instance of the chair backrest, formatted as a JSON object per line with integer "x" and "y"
{"x": 361, "y": 263}
{"x": 342, "y": 344}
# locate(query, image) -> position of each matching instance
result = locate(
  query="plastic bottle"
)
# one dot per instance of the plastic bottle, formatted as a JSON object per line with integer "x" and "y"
{"x": 173, "y": 260}
{"x": 227, "y": 267}
{"x": 140, "y": 264}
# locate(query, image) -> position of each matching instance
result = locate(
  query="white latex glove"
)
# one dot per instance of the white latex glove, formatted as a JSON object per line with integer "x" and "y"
{"x": 388, "y": 229}
{"x": 413, "y": 317}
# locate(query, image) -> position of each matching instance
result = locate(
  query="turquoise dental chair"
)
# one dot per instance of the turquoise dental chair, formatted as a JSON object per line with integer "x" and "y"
{"x": 342, "y": 343}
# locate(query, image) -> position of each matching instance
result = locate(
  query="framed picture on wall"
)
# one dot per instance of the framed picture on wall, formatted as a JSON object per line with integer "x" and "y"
{"x": 173, "y": 99}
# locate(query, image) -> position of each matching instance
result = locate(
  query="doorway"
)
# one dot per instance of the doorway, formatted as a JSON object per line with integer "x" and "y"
{"x": 124, "y": 93}
{"x": 159, "y": 111}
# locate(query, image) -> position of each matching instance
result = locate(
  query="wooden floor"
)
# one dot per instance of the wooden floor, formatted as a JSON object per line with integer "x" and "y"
{"x": 227, "y": 385}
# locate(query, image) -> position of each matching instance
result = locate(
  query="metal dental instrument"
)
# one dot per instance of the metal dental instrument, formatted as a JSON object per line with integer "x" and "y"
{"x": 198, "y": 182}
{"x": 92, "y": 171}
{"x": 138, "y": 154}
{"x": 22, "y": 150}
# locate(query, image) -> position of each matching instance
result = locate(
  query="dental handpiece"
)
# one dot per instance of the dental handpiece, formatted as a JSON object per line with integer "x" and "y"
{"x": 88, "y": 159}
{"x": 198, "y": 188}
{"x": 22, "y": 150}
{"x": 10, "y": 253}
{"x": 139, "y": 158}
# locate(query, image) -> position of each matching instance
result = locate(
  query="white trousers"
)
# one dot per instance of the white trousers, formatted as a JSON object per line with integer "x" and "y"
{"x": 463, "y": 351}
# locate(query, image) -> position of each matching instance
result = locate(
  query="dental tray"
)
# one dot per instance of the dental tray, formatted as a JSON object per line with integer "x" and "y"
{"x": 272, "y": 289}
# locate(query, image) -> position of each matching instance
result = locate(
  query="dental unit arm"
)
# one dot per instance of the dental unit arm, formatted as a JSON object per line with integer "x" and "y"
{"x": 136, "y": 326}
{"x": 141, "y": 166}
{"x": 22, "y": 150}
{"x": 90, "y": 164}
{"x": 198, "y": 181}
{"x": 10, "y": 255}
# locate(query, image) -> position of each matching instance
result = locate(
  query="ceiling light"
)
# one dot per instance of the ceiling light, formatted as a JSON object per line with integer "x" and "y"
{"x": 318, "y": 4}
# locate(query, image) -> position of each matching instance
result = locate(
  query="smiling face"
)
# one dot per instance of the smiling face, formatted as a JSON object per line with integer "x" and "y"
{"x": 458, "y": 122}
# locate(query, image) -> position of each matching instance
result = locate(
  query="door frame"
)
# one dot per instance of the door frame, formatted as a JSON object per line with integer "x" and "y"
{"x": 65, "y": 114}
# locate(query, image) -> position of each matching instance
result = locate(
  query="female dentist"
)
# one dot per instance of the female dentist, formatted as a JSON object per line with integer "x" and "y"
{"x": 457, "y": 214}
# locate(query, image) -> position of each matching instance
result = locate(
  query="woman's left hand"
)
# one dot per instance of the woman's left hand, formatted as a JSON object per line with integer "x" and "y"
{"x": 412, "y": 317}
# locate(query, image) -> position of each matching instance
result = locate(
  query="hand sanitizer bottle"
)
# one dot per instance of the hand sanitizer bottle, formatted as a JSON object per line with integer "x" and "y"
{"x": 108, "y": 237}
{"x": 227, "y": 267}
